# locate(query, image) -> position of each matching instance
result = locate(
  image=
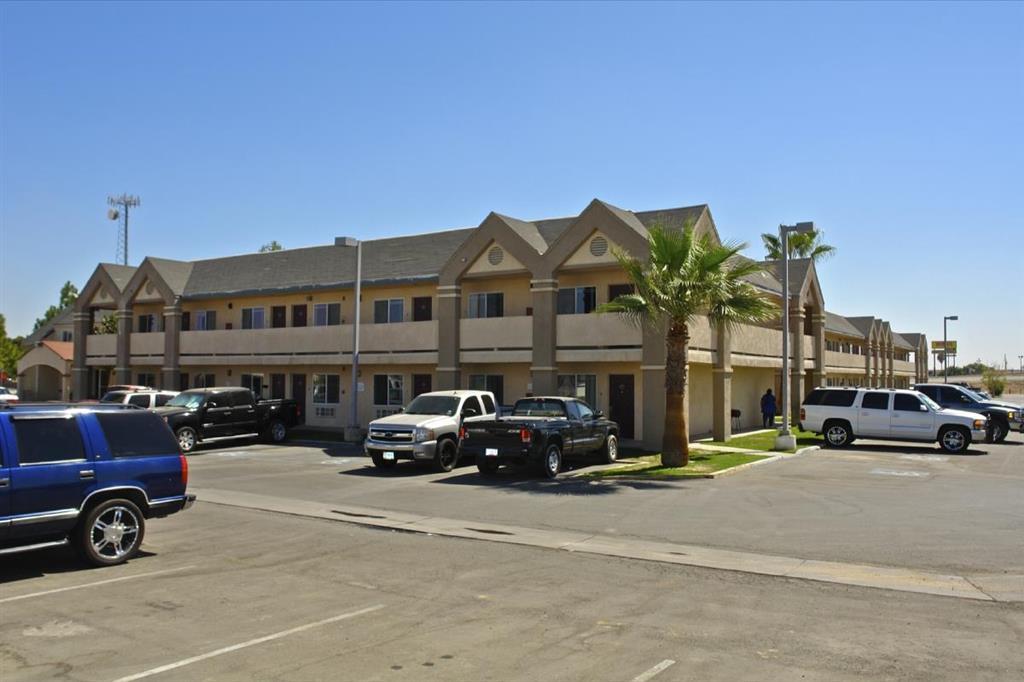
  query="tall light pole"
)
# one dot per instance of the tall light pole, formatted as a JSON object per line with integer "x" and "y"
{"x": 945, "y": 347}
{"x": 120, "y": 208}
{"x": 1021, "y": 359}
{"x": 353, "y": 432}
{"x": 785, "y": 440}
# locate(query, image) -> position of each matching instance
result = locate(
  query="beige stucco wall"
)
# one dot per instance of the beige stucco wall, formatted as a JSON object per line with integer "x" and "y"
{"x": 748, "y": 385}
{"x": 583, "y": 257}
{"x": 701, "y": 400}
{"x": 508, "y": 263}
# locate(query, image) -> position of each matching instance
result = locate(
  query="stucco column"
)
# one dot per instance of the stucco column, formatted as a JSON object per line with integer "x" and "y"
{"x": 123, "y": 368}
{"x": 81, "y": 321}
{"x": 721, "y": 388}
{"x": 544, "y": 367}
{"x": 869, "y": 350}
{"x": 818, "y": 331}
{"x": 172, "y": 345}
{"x": 449, "y": 316}
{"x": 652, "y": 367}
{"x": 890, "y": 373}
{"x": 797, "y": 373}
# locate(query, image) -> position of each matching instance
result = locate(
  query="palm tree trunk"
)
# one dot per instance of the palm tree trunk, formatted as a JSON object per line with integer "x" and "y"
{"x": 675, "y": 449}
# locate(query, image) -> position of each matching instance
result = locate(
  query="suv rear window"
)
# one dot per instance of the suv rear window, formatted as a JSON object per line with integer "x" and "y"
{"x": 904, "y": 402}
{"x": 875, "y": 401}
{"x": 839, "y": 398}
{"x": 52, "y": 439}
{"x": 814, "y": 397}
{"x": 136, "y": 434}
{"x": 139, "y": 400}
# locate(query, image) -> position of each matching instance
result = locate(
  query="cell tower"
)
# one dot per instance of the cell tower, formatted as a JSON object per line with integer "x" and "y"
{"x": 119, "y": 209}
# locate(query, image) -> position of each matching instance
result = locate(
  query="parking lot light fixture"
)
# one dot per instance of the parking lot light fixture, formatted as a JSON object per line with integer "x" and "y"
{"x": 945, "y": 347}
{"x": 785, "y": 440}
{"x": 353, "y": 432}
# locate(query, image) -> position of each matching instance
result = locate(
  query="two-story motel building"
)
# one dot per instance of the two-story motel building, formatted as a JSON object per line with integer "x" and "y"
{"x": 506, "y": 306}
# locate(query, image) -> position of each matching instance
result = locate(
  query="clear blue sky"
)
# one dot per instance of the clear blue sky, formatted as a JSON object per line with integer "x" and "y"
{"x": 899, "y": 129}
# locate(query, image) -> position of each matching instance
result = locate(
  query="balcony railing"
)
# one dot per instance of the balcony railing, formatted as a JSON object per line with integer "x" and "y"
{"x": 496, "y": 333}
{"x": 600, "y": 331}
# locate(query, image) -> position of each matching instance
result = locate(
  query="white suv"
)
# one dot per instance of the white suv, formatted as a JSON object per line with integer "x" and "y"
{"x": 146, "y": 399}
{"x": 843, "y": 414}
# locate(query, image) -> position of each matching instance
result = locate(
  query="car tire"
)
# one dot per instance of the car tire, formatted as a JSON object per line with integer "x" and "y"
{"x": 447, "y": 456}
{"x": 610, "y": 452}
{"x": 187, "y": 439}
{"x": 551, "y": 464}
{"x": 381, "y": 463}
{"x": 277, "y": 431}
{"x": 111, "y": 532}
{"x": 487, "y": 467}
{"x": 998, "y": 431}
{"x": 837, "y": 434}
{"x": 954, "y": 439}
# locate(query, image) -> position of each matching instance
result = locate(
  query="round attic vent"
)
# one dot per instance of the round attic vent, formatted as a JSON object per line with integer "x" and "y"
{"x": 495, "y": 255}
{"x": 598, "y": 246}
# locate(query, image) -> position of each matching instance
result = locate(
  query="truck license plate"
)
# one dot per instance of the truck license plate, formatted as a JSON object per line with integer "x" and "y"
{"x": 490, "y": 452}
{"x": 389, "y": 456}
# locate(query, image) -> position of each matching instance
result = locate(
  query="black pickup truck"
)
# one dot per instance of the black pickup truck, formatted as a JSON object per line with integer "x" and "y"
{"x": 540, "y": 432}
{"x": 205, "y": 414}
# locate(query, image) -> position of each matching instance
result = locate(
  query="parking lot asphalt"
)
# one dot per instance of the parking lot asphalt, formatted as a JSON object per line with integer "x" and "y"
{"x": 877, "y": 503}
{"x": 236, "y": 594}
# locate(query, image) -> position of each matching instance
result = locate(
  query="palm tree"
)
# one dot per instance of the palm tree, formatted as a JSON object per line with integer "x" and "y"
{"x": 686, "y": 276}
{"x": 801, "y": 245}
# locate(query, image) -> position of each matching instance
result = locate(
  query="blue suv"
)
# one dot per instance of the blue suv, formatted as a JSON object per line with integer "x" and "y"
{"x": 87, "y": 476}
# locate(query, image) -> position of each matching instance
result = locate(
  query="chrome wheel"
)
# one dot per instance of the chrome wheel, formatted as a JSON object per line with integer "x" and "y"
{"x": 278, "y": 432}
{"x": 837, "y": 435}
{"x": 954, "y": 440}
{"x": 612, "y": 449}
{"x": 186, "y": 439}
{"x": 552, "y": 461}
{"x": 115, "y": 533}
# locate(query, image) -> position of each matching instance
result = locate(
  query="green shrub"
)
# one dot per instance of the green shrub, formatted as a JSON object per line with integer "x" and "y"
{"x": 993, "y": 382}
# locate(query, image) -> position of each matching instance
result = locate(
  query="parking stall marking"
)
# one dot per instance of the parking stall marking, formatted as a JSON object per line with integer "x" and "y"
{"x": 660, "y": 668}
{"x": 94, "y": 584}
{"x": 244, "y": 645}
{"x": 925, "y": 458}
{"x": 899, "y": 472}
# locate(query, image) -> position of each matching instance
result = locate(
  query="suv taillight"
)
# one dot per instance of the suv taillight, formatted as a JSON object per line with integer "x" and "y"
{"x": 184, "y": 470}
{"x": 803, "y": 414}
{"x": 525, "y": 435}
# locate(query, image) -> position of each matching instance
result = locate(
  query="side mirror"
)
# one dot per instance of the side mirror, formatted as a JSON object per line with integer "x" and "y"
{"x": 599, "y": 414}
{"x": 924, "y": 408}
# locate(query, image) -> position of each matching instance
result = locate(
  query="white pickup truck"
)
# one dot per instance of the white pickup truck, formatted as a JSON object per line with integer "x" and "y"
{"x": 427, "y": 429}
{"x": 843, "y": 414}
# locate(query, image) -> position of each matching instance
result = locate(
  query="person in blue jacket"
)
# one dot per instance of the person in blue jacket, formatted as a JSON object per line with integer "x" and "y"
{"x": 768, "y": 409}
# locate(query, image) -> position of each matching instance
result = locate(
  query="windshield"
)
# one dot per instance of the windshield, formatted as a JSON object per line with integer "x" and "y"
{"x": 931, "y": 403}
{"x": 533, "y": 407}
{"x": 113, "y": 397}
{"x": 434, "y": 404}
{"x": 188, "y": 400}
{"x": 972, "y": 395}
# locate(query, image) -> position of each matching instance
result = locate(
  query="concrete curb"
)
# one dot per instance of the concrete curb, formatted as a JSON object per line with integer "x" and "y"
{"x": 989, "y": 588}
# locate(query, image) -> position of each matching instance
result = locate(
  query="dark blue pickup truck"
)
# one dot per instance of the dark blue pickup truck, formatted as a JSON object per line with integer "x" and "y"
{"x": 90, "y": 476}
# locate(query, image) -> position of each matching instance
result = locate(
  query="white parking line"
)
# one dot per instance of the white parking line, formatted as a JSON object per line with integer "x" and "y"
{"x": 660, "y": 668}
{"x": 252, "y": 642}
{"x": 897, "y": 472}
{"x": 98, "y": 582}
{"x": 925, "y": 458}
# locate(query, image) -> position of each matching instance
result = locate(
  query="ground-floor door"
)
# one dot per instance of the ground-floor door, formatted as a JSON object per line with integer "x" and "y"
{"x": 299, "y": 394}
{"x": 621, "y": 403}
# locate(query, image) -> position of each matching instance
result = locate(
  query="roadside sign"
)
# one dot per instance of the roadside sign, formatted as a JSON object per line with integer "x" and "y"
{"x": 947, "y": 346}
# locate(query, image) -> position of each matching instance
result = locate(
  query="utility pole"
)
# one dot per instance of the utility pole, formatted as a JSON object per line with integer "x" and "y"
{"x": 945, "y": 348}
{"x": 120, "y": 206}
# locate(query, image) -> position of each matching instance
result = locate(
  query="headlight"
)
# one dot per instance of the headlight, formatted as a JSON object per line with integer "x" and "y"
{"x": 979, "y": 424}
{"x": 421, "y": 434}
{"x": 1011, "y": 416}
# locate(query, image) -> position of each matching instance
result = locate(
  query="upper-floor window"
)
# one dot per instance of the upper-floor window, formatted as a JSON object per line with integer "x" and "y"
{"x": 66, "y": 336}
{"x": 253, "y": 318}
{"x": 199, "y": 320}
{"x": 577, "y": 300}
{"x": 387, "y": 310}
{"x": 486, "y": 305}
{"x": 147, "y": 323}
{"x": 326, "y": 314}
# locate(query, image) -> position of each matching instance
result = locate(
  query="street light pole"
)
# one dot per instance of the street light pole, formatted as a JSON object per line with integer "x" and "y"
{"x": 353, "y": 432}
{"x": 785, "y": 440}
{"x": 945, "y": 347}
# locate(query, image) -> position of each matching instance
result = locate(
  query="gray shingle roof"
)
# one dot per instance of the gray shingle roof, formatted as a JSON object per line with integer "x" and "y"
{"x": 528, "y": 231}
{"x": 863, "y": 324}
{"x": 121, "y": 274}
{"x": 899, "y": 342}
{"x": 913, "y": 338}
{"x": 841, "y": 325}
{"x": 798, "y": 268}
{"x": 174, "y": 272}
{"x": 63, "y": 317}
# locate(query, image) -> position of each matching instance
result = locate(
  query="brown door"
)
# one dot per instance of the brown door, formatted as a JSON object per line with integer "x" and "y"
{"x": 277, "y": 386}
{"x": 299, "y": 315}
{"x": 620, "y": 403}
{"x": 422, "y": 309}
{"x": 421, "y": 383}
{"x": 278, "y": 315}
{"x": 299, "y": 393}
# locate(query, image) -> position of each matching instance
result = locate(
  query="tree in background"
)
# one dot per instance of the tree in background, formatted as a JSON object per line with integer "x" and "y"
{"x": 105, "y": 325}
{"x": 273, "y": 245}
{"x": 10, "y": 350}
{"x": 801, "y": 245}
{"x": 685, "y": 277}
{"x": 68, "y": 294}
